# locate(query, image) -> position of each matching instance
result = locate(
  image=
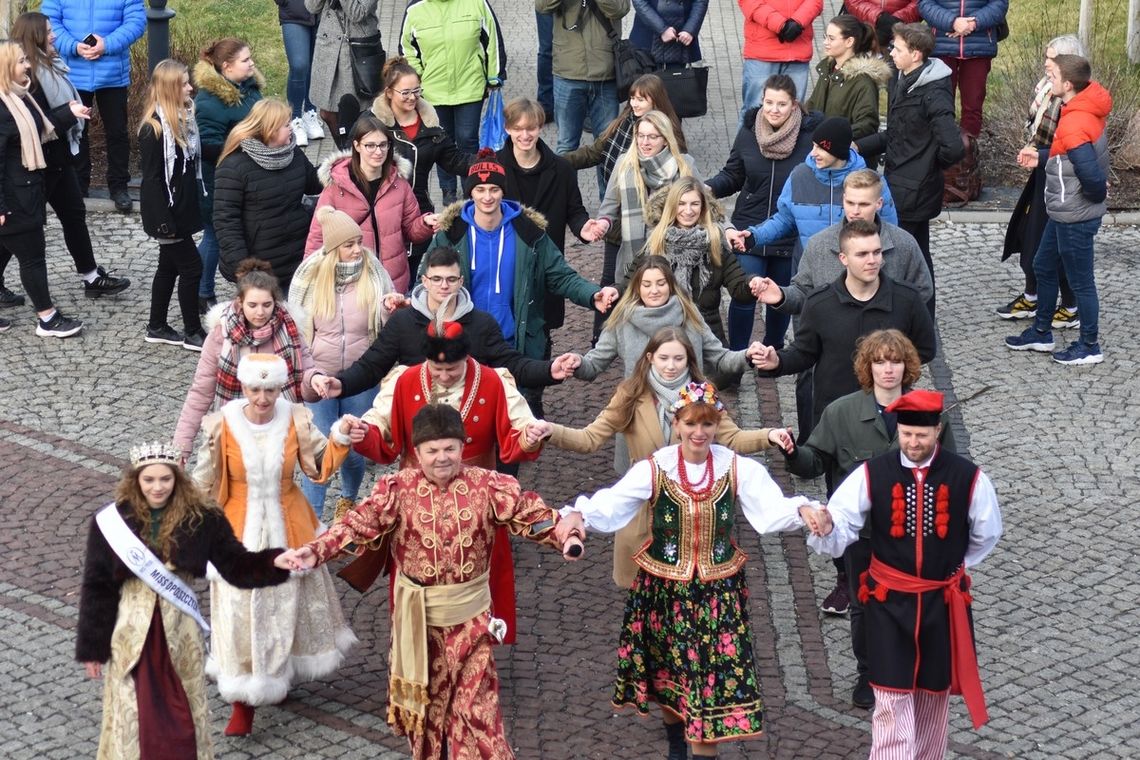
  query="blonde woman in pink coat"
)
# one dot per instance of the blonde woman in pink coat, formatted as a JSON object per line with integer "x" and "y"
{"x": 368, "y": 182}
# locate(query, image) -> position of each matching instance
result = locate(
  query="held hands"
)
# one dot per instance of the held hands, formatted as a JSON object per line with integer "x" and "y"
{"x": 605, "y": 298}
{"x": 594, "y": 229}
{"x": 790, "y": 31}
{"x": 737, "y": 239}
{"x": 782, "y": 439}
{"x": 536, "y": 431}
{"x": 393, "y": 301}
{"x": 570, "y": 531}
{"x": 816, "y": 519}
{"x": 563, "y": 366}
{"x": 685, "y": 38}
{"x": 94, "y": 669}
{"x": 765, "y": 290}
{"x": 298, "y": 560}
{"x": 1028, "y": 157}
{"x": 353, "y": 427}
{"x": 432, "y": 220}
{"x": 963, "y": 26}
{"x": 326, "y": 386}
{"x": 669, "y": 35}
{"x": 763, "y": 357}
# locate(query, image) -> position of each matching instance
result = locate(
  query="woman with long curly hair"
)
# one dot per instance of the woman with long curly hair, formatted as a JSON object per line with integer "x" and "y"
{"x": 143, "y": 642}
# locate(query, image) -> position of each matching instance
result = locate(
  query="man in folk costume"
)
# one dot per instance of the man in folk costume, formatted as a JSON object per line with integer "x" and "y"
{"x": 494, "y": 415}
{"x": 932, "y": 515}
{"x": 440, "y": 516}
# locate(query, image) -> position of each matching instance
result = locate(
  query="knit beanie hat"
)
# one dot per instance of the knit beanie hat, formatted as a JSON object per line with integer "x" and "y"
{"x": 337, "y": 227}
{"x": 834, "y": 136}
{"x": 485, "y": 171}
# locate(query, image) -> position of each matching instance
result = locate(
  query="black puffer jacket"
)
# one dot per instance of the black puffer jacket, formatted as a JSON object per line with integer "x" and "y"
{"x": 258, "y": 212}
{"x": 431, "y": 146}
{"x": 23, "y": 198}
{"x": 922, "y": 138}
{"x": 212, "y": 540}
{"x": 162, "y": 217}
{"x": 759, "y": 179}
{"x": 402, "y": 342}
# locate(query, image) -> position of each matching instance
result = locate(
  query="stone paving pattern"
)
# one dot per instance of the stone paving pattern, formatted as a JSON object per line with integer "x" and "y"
{"x": 1056, "y": 603}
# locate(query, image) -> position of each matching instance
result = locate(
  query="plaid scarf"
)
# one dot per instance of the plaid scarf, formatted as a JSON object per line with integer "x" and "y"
{"x": 282, "y": 337}
{"x": 1044, "y": 113}
{"x": 688, "y": 252}
{"x": 619, "y": 143}
{"x": 656, "y": 171}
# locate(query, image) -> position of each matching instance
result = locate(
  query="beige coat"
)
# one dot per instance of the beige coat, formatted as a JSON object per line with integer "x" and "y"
{"x": 643, "y": 437}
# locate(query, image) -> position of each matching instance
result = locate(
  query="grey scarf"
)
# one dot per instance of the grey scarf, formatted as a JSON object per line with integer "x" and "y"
{"x": 667, "y": 391}
{"x": 270, "y": 159}
{"x": 688, "y": 253}
{"x": 461, "y": 299}
{"x": 348, "y": 272}
{"x": 59, "y": 91}
{"x": 656, "y": 171}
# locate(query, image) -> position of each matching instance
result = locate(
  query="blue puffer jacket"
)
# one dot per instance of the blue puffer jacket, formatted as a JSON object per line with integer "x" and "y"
{"x": 118, "y": 22}
{"x": 812, "y": 200}
{"x": 981, "y": 43}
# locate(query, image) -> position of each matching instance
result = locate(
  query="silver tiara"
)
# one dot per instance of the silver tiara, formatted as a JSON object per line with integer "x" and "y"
{"x": 155, "y": 453}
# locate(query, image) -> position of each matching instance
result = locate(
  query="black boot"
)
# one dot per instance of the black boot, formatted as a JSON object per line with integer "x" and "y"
{"x": 678, "y": 747}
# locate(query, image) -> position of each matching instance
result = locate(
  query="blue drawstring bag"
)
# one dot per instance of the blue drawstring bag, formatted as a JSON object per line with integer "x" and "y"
{"x": 493, "y": 128}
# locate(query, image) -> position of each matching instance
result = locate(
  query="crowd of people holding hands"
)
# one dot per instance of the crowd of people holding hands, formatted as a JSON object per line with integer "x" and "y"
{"x": 381, "y": 327}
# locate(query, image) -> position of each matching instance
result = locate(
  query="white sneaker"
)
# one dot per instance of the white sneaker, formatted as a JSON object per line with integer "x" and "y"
{"x": 314, "y": 125}
{"x": 300, "y": 132}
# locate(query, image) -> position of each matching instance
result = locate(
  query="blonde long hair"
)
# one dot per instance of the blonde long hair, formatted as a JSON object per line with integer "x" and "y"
{"x": 165, "y": 91}
{"x": 656, "y": 243}
{"x": 265, "y": 118}
{"x": 322, "y": 296}
{"x": 631, "y": 298}
{"x": 10, "y": 53}
{"x": 631, "y": 159}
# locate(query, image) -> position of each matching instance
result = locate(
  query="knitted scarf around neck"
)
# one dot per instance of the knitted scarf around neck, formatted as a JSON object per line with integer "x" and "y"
{"x": 656, "y": 171}
{"x": 59, "y": 91}
{"x": 348, "y": 272}
{"x": 270, "y": 159}
{"x": 778, "y": 143}
{"x": 687, "y": 250}
{"x": 18, "y": 101}
{"x": 667, "y": 391}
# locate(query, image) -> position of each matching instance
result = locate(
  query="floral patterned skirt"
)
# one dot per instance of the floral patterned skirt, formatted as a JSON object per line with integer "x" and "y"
{"x": 687, "y": 646}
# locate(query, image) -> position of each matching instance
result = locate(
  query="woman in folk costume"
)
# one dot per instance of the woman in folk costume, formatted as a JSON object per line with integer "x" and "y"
{"x": 263, "y": 641}
{"x": 145, "y": 641}
{"x": 257, "y": 321}
{"x": 640, "y": 411}
{"x": 686, "y": 642}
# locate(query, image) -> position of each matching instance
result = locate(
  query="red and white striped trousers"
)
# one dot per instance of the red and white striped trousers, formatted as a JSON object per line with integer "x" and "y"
{"x": 910, "y": 725}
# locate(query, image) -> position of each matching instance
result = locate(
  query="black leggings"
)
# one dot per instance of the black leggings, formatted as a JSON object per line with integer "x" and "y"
{"x": 176, "y": 261}
{"x": 66, "y": 200}
{"x": 29, "y": 248}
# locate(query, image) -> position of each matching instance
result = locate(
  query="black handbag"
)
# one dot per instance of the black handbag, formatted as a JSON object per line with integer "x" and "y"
{"x": 688, "y": 87}
{"x": 1001, "y": 31}
{"x": 630, "y": 61}
{"x": 367, "y": 56}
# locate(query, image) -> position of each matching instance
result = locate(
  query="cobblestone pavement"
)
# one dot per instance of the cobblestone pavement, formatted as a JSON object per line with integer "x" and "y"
{"x": 1056, "y": 604}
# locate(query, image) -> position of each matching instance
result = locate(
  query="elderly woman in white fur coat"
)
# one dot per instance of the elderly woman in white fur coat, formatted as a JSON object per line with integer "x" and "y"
{"x": 264, "y": 640}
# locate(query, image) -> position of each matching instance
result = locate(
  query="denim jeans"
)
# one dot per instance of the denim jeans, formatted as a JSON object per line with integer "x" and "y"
{"x": 1069, "y": 246}
{"x": 756, "y": 73}
{"x": 544, "y": 66}
{"x": 741, "y": 316}
{"x": 462, "y": 123}
{"x": 299, "y": 43}
{"x": 325, "y": 413}
{"x": 208, "y": 250}
{"x": 574, "y": 101}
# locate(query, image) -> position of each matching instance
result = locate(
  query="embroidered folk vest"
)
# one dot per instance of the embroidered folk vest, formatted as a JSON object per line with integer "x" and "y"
{"x": 692, "y": 534}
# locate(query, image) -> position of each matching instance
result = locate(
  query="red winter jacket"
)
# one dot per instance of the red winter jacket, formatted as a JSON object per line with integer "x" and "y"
{"x": 763, "y": 20}
{"x": 868, "y": 11}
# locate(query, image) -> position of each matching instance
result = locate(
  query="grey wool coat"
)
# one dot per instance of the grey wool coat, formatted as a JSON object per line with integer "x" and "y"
{"x": 332, "y": 61}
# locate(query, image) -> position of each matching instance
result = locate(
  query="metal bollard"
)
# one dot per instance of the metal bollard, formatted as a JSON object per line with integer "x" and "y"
{"x": 157, "y": 33}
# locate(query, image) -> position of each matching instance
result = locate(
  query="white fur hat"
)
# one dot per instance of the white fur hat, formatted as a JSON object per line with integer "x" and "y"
{"x": 257, "y": 371}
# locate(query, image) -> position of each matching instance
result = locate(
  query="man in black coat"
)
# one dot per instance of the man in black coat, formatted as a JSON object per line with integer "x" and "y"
{"x": 834, "y": 318}
{"x": 401, "y": 339}
{"x": 922, "y": 137}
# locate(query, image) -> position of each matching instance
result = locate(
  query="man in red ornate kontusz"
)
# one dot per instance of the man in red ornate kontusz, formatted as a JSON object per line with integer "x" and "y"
{"x": 932, "y": 514}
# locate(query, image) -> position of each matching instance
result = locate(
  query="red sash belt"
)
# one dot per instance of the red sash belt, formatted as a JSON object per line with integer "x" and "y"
{"x": 964, "y": 676}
